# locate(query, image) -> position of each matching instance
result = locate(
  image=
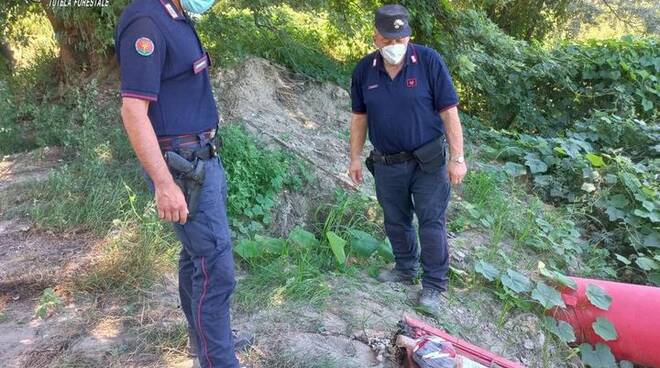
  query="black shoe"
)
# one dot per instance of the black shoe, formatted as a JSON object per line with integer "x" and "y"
{"x": 430, "y": 300}
{"x": 394, "y": 276}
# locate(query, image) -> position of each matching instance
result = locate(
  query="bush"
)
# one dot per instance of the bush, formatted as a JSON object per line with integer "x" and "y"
{"x": 608, "y": 166}
{"x": 255, "y": 177}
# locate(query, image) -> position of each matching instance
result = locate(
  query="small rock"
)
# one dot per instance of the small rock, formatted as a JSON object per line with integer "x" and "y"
{"x": 528, "y": 344}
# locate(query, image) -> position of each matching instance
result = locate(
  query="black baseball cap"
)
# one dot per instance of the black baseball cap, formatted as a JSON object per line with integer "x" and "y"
{"x": 392, "y": 21}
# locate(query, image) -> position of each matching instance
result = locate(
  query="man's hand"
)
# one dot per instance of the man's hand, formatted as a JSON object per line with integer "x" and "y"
{"x": 355, "y": 171}
{"x": 356, "y": 140}
{"x": 456, "y": 172}
{"x": 170, "y": 203}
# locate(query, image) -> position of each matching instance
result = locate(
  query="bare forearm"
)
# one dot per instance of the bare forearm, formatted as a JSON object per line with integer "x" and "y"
{"x": 143, "y": 139}
{"x": 453, "y": 131}
{"x": 358, "y": 135}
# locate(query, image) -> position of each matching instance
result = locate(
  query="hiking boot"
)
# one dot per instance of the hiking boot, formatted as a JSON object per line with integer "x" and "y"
{"x": 394, "y": 276}
{"x": 430, "y": 300}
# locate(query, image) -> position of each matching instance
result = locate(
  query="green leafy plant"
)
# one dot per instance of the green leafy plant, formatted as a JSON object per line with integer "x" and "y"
{"x": 255, "y": 177}
{"x": 605, "y": 329}
{"x": 598, "y": 356}
{"x": 337, "y": 245}
{"x": 561, "y": 329}
{"x": 598, "y": 297}
{"x": 48, "y": 302}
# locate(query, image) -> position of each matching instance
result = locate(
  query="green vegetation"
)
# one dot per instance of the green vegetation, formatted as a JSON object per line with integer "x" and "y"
{"x": 48, "y": 302}
{"x": 255, "y": 178}
{"x": 298, "y": 268}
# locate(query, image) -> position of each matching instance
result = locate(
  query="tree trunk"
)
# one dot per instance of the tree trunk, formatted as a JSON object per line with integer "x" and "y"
{"x": 7, "y": 54}
{"x": 67, "y": 36}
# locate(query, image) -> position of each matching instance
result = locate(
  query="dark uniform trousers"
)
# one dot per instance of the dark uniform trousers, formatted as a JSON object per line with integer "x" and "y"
{"x": 206, "y": 271}
{"x": 403, "y": 189}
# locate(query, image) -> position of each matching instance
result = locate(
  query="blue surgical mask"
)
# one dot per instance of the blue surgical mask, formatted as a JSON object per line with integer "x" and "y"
{"x": 197, "y": 6}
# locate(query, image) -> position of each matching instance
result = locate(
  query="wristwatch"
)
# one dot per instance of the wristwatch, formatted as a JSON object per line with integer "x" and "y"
{"x": 458, "y": 159}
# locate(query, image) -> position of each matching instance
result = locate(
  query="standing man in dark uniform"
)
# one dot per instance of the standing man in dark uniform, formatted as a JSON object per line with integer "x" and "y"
{"x": 402, "y": 94}
{"x": 168, "y": 106}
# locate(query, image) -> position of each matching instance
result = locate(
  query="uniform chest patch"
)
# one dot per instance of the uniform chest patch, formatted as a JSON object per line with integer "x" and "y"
{"x": 144, "y": 46}
{"x": 411, "y": 83}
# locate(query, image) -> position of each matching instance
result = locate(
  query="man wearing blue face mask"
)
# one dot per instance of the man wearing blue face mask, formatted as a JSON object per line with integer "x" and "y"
{"x": 170, "y": 117}
{"x": 402, "y": 95}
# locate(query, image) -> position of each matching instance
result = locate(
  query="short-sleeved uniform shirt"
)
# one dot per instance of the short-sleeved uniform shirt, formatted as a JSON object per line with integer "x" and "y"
{"x": 162, "y": 60}
{"x": 403, "y": 113}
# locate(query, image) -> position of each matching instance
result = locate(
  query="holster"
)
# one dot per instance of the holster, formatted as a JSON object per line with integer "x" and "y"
{"x": 189, "y": 176}
{"x": 369, "y": 162}
{"x": 432, "y": 155}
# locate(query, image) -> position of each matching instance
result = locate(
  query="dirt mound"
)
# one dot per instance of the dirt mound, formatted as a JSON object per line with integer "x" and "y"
{"x": 308, "y": 118}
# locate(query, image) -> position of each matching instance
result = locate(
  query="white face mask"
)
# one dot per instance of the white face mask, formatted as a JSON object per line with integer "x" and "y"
{"x": 393, "y": 54}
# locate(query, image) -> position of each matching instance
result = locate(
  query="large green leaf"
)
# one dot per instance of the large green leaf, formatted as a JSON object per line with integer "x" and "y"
{"x": 618, "y": 201}
{"x": 548, "y": 296}
{"x": 535, "y": 165}
{"x": 303, "y": 238}
{"x": 598, "y": 297}
{"x": 514, "y": 169}
{"x": 516, "y": 281}
{"x": 614, "y": 213}
{"x": 560, "y": 329}
{"x": 487, "y": 270}
{"x": 605, "y": 329}
{"x": 363, "y": 244}
{"x": 622, "y": 259}
{"x": 595, "y": 160}
{"x": 556, "y": 276}
{"x": 271, "y": 245}
{"x": 652, "y": 240}
{"x": 654, "y": 277}
{"x": 385, "y": 251}
{"x": 646, "y": 264}
{"x": 248, "y": 249}
{"x": 337, "y": 245}
{"x": 647, "y": 104}
{"x": 600, "y": 357}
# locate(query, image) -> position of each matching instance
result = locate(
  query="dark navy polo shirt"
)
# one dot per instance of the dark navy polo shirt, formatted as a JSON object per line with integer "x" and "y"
{"x": 403, "y": 113}
{"x": 162, "y": 60}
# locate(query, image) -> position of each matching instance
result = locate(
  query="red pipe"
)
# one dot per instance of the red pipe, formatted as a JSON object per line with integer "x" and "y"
{"x": 634, "y": 312}
{"x": 462, "y": 347}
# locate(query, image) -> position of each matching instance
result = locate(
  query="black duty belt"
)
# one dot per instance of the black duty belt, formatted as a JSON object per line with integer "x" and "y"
{"x": 170, "y": 143}
{"x": 395, "y": 158}
{"x": 191, "y": 146}
{"x": 203, "y": 153}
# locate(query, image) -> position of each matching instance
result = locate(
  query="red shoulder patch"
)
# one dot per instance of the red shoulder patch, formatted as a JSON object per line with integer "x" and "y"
{"x": 144, "y": 46}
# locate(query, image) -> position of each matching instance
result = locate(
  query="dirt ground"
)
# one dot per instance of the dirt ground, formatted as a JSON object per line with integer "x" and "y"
{"x": 353, "y": 329}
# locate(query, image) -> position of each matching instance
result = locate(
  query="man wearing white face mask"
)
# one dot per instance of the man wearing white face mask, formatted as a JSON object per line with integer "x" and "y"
{"x": 403, "y": 96}
{"x": 169, "y": 112}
